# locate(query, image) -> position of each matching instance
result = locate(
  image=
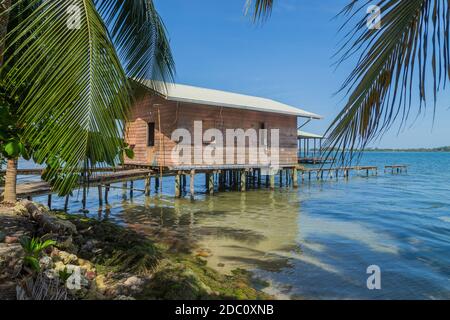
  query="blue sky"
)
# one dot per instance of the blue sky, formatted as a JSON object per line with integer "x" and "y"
{"x": 288, "y": 58}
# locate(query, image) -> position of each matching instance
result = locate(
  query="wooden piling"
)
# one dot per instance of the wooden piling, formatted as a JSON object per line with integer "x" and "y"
{"x": 131, "y": 189}
{"x": 281, "y": 178}
{"x": 83, "y": 201}
{"x": 191, "y": 184}
{"x": 243, "y": 180}
{"x": 156, "y": 184}
{"x": 177, "y": 185}
{"x": 272, "y": 181}
{"x": 106, "y": 193}
{"x": 259, "y": 178}
{"x": 295, "y": 178}
{"x": 49, "y": 201}
{"x": 147, "y": 185}
{"x": 66, "y": 203}
{"x": 100, "y": 195}
{"x": 211, "y": 184}
{"x": 184, "y": 182}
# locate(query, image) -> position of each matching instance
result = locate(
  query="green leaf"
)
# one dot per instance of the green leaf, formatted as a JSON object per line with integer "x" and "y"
{"x": 3, "y": 135}
{"x": 12, "y": 149}
{"x": 129, "y": 152}
{"x": 32, "y": 262}
{"x": 394, "y": 63}
{"x": 79, "y": 77}
{"x": 46, "y": 244}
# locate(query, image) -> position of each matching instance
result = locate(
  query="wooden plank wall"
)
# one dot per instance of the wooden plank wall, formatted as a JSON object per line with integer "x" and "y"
{"x": 182, "y": 115}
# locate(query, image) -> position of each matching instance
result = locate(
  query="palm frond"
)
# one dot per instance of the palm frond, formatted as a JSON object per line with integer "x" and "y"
{"x": 78, "y": 89}
{"x": 259, "y": 9}
{"x": 394, "y": 63}
{"x": 139, "y": 36}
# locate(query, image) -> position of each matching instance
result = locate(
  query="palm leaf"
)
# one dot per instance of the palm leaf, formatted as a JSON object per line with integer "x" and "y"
{"x": 78, "y": 85}
{"x": 260, "y": 8}
{"x": 394, "y": 64}
{"x": 139, "y": 36}
{"x": 80, "y": 92}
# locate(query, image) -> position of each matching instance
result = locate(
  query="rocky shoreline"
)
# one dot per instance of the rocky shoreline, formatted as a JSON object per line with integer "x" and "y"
{"x": 91, "y": 259}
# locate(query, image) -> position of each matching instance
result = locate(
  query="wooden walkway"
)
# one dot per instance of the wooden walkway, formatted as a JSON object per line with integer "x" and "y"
{"x": 321, "y": 173}
{"x": 313, "y": 160}
{"x": 399, "y": 168}
{"x": 36, "y": 188}
{"x": 233, "y": 178}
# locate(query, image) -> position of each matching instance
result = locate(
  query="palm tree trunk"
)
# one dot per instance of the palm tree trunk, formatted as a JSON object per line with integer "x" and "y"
{"x": 4, "y": 19}
{"x": 10, "y": 195}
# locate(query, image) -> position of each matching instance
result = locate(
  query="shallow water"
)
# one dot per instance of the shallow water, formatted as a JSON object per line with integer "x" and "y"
{"x": 316, "y": 241}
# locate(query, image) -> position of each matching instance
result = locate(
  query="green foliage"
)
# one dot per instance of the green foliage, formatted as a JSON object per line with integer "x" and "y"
{"x": 32, "y": 262}
{"x": 398, "y": 66}
{"x": 33, "y": 248}
{"x": 12, "y": 144}
{"x": 260, "y": 8}
{"x": 78, "y": 93}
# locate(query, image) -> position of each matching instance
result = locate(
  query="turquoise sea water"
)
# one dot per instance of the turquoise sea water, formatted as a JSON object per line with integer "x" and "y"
{"x": 318, "y": 240}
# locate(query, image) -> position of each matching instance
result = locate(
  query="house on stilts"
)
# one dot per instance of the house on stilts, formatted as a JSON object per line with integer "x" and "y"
{"x": 158, "y": 114}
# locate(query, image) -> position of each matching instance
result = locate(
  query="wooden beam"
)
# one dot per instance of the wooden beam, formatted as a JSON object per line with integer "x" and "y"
{"x": 177, "y": 186}
{"x": 295, "y": 178}
{"x": 191, "y": 184}
{"x": 148, "y": 182}
{"x": 272, "y": 181}
{"x": 66, "y": 203}
{"x": 100, "y": 195}
{"x": 211, "y": 184}
{"x": 243, "y": 180}
{"x": 49, "y": 201}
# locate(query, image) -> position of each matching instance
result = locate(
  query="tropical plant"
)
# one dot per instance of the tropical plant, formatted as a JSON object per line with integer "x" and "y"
{"x": 77, "y": 58}
{"x": 12, "y": 144}
{"x": 393, "y": 68}
{"x": 33, "y": 248}
{"x": 259, "y": 8}
{"x": 394, "y": 64}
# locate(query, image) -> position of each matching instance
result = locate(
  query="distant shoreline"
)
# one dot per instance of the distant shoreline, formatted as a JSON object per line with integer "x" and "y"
{"x": 440, "y": 149}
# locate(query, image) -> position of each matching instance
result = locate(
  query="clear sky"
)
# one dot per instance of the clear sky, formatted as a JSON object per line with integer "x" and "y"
{"x": 288, "y": 58}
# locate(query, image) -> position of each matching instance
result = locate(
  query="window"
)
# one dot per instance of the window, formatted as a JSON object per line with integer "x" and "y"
{"x": 150, "y": 134}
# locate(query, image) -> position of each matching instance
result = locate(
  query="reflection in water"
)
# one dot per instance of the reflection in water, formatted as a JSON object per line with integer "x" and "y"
{"x": 317, "y": 241}
{"x": 257, "y": 233}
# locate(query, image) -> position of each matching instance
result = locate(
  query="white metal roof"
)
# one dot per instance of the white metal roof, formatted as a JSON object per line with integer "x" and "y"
{"x": 190, "y": 94}
{"x": 307, "y": 135}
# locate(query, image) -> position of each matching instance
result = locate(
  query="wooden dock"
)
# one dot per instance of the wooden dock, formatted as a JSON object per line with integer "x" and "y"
{"x": 323, "y": 173}
{"x": 311, "y": 160}
{"x": 399, "y": 168}
{"x": 236, "y": 178}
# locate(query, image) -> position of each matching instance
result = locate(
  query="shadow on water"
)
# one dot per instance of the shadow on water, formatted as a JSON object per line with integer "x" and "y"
{"x": 238, "y": 229}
